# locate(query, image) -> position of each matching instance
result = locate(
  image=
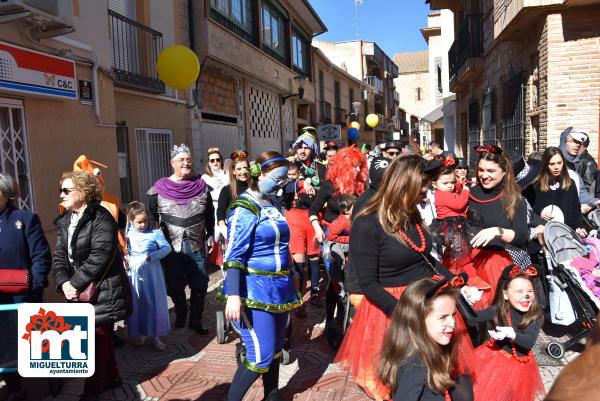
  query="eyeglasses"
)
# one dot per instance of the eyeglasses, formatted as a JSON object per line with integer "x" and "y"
{"x": 66, "y": 191}
{"x": 217, "y": 160}
{"x": 282, "y": 182}
{"x": 181, "y": 161}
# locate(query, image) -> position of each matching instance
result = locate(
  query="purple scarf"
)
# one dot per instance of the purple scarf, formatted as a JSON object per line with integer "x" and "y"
{"x": 182, "y": 190}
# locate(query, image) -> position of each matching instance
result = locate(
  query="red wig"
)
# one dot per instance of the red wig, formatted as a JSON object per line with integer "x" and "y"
{"x": 341, "y": 172}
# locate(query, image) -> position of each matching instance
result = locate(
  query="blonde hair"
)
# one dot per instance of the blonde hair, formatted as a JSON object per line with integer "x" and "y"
{"x": 395, "y": 203}
{"x": 86, "y": 184}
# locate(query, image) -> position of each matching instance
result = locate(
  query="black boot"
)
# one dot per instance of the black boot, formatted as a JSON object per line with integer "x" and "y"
{"x": 274, "y": 395}
{"x": 196, "y": 311}
{"x": 271, "y": 380}
{"x": 181, "y": 309}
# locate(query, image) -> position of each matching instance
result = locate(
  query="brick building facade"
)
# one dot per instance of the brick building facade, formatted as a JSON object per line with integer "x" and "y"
{"x": 523, "y": 73}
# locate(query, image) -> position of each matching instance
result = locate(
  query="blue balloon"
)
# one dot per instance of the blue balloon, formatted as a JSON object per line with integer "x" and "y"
{"x": 353, "y": 133}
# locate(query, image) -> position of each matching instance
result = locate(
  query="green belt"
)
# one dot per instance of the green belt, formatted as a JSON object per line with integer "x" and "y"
{"x": 257, "y": 272}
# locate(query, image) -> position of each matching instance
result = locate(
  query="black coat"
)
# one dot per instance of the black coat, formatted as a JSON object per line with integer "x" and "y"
{"x": 95, "y": 249}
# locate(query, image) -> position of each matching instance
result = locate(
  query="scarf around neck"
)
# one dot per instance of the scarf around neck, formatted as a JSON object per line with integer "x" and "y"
{"x": 180, "y": 190}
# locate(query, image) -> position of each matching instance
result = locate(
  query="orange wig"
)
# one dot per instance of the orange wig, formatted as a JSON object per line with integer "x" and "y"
{"x": 341, "y": 172}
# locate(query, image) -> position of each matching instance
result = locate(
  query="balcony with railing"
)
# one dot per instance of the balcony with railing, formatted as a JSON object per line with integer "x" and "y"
{"x": 464, "y": 56}
{"x": 135, "y": 48}
{"x": 325, "y": 112}
{"x": 375, "y": 83}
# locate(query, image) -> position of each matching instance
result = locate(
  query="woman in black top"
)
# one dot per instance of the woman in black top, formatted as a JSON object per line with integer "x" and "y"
{"x": 390, "y": 249}
{"x": 554, "y": 196}
{"x": 238, "y": 183}
{"x": 498, "y": 210}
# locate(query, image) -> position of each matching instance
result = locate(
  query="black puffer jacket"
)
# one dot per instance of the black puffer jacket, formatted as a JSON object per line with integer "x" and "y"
{"x": 94, "y": 246}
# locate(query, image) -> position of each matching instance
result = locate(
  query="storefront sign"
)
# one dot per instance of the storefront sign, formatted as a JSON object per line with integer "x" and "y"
{"x": 28, "y": 71}
{"x": 329, "y": 132}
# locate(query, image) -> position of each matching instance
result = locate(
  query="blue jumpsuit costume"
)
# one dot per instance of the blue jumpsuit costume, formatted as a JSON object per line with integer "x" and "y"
{"x": 257, "y": 263}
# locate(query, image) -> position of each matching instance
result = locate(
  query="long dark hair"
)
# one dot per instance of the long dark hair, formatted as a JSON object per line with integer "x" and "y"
{"x": 565, "y": 180}
{"x": 501, "y": 305}
{"x": 512, "y": 192}
{"x": 272, "y": 165}
{"x": 233, "y": 184}
{"x": 408, "y": 336}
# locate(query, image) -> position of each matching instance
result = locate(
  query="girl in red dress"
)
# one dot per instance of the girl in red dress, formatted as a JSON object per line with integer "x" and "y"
{"x": 451, "y": 229}
{"x": 506, "y": 361}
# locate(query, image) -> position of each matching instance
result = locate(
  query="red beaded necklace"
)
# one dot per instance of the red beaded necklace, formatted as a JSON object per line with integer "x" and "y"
{"x": 517, "y": 357}
{"x": 495, "y": 198}
{"x": 418, "y": 249}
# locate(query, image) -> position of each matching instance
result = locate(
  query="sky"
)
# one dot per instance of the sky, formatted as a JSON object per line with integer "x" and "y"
{"x": 393, "y": 24}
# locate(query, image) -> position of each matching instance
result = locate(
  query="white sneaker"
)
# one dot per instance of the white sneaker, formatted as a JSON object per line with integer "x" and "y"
{"x": 157, "y": 344}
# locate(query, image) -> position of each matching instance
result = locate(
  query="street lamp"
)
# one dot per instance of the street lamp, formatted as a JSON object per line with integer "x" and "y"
{"x": 300, "y": 93}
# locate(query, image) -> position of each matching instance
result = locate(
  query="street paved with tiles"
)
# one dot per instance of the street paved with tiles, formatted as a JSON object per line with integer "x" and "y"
{"x": 196, "y": 367}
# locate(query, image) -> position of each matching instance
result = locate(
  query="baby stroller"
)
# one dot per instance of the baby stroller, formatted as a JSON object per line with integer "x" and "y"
{"x": 570, "y": 303}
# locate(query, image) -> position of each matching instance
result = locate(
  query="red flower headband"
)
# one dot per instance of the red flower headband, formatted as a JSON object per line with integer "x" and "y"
{"x": 239, "y": 154}
{"x": 488, "y": 149}
{"x": 457, "y": 281}
{"x": 449, "y": 162}
{"x": 514, "y": 271}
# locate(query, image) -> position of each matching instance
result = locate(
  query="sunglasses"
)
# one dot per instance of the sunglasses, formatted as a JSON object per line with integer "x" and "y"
{"x": 394, "y": 153}
{"x": 66, "y": 191}
{"x": 218, "y": 160}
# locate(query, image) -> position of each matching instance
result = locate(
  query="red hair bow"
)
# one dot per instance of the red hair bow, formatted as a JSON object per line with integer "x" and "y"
{"x": 457, "y": 281}
{"x": 449, "y": 162}
{"x": 516, "y": 271}
{"x": 488, "y": 149}
{"x": 239, "y": 154}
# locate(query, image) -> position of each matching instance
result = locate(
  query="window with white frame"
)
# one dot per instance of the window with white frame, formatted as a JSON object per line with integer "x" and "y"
{"x": 153, "y": 156}
{"x": 14, "y": 155}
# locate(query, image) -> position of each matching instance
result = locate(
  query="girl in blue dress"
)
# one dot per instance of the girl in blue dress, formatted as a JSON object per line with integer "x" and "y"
{"x": 145, "y": 248}
{"x": 258, "y": 287}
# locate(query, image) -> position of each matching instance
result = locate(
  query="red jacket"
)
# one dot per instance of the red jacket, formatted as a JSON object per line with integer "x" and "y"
{"x": 451, "y": 204}
{"x": 339, "y": 230}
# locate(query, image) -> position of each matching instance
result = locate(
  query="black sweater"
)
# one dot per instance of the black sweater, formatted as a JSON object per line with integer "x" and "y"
{"x": 567, "y": 200}
{"x": 326, "y": 196}
{"x": 225, "y": 199}
{"x": 524, "y": 340}
{"x": 493, "y": 214}
{"x": 412, "y": 382}
{"x": 380, "y": 260}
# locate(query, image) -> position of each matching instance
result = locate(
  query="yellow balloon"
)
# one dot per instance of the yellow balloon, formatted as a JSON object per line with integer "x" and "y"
{"x": 178, "y": 66}
{"x": 355, "y": 124}
{"x": 372, "y": 120}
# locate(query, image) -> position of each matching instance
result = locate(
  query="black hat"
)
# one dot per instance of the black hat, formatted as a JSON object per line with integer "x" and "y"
{"x": 378, "y": 166}
{"x": 461, "y": 162}
{"x": 526, "y": 172}
{"x": 391, "y": 144}
{"x": 432, "y": 166}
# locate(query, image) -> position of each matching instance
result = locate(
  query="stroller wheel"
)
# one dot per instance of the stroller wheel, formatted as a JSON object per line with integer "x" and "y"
{"x": 221, "y": 327}
{"x": 555, "y": 350}
{"x": 285, "y": 357}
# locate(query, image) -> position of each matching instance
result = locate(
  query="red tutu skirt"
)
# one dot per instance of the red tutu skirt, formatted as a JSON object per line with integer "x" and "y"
{"x": 504, "y": 378}
{"x": 489, "y": 266}
{"x": 360, "y": 349}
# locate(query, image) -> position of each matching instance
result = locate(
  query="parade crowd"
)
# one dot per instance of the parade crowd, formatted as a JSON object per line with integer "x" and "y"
{"x": 428, "y": 269}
